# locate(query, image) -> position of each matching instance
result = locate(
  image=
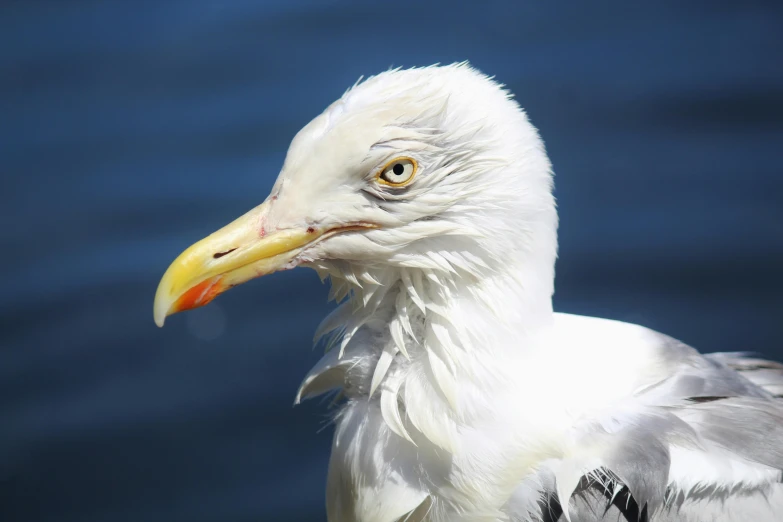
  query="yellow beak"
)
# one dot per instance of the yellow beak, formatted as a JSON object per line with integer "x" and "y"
{"x": 236, "y": 253}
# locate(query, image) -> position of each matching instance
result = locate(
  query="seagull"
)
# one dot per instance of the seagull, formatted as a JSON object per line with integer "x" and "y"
{"x": 424, "y": 196}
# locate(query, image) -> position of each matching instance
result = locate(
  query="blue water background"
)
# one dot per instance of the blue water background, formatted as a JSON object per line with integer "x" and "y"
{"x": 130, "y": 129}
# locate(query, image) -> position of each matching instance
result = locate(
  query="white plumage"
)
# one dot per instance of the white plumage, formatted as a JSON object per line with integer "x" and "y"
{"x": 464, "y": 397}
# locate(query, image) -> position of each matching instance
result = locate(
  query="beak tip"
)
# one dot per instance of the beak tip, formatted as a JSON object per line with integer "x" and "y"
{"x": 159, "y": 313}
{"x": 161, "y": 307}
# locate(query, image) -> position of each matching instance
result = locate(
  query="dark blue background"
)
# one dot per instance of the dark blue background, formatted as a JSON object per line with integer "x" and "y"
{"x": 130, "y": 129}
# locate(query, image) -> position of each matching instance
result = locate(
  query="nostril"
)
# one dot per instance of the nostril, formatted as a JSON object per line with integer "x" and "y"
{"x": 221, "y": 254}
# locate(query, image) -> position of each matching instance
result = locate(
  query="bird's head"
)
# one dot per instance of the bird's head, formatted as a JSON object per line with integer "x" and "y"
{"x": 433, "y": 168}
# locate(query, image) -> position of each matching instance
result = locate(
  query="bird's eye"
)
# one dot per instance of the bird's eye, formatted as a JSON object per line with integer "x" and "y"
{"x": 398, "y": 172}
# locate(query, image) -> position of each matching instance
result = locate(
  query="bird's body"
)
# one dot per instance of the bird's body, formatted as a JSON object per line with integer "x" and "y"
{"x": 425, "y": 195}
{"x": 591, "y": 404}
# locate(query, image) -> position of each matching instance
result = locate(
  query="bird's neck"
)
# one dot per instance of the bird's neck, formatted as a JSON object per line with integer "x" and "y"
{"x": 446, "y": 345}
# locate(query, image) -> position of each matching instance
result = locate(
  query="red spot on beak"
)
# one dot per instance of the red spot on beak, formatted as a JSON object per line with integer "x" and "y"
{"x": 199, "y": 295}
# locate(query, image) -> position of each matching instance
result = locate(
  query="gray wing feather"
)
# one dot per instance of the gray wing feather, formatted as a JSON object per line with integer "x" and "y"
{"x": 726, "y": 400}
{"x": 754, "y": 506}
{"x": 746, "y": 426}
{"x": 767, "y": 375}
{"x": 593, "y": 505}
{"x": 692, "y": 375}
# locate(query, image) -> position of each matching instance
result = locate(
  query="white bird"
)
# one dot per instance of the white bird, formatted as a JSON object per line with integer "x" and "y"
{"x": 425, "y": 196}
